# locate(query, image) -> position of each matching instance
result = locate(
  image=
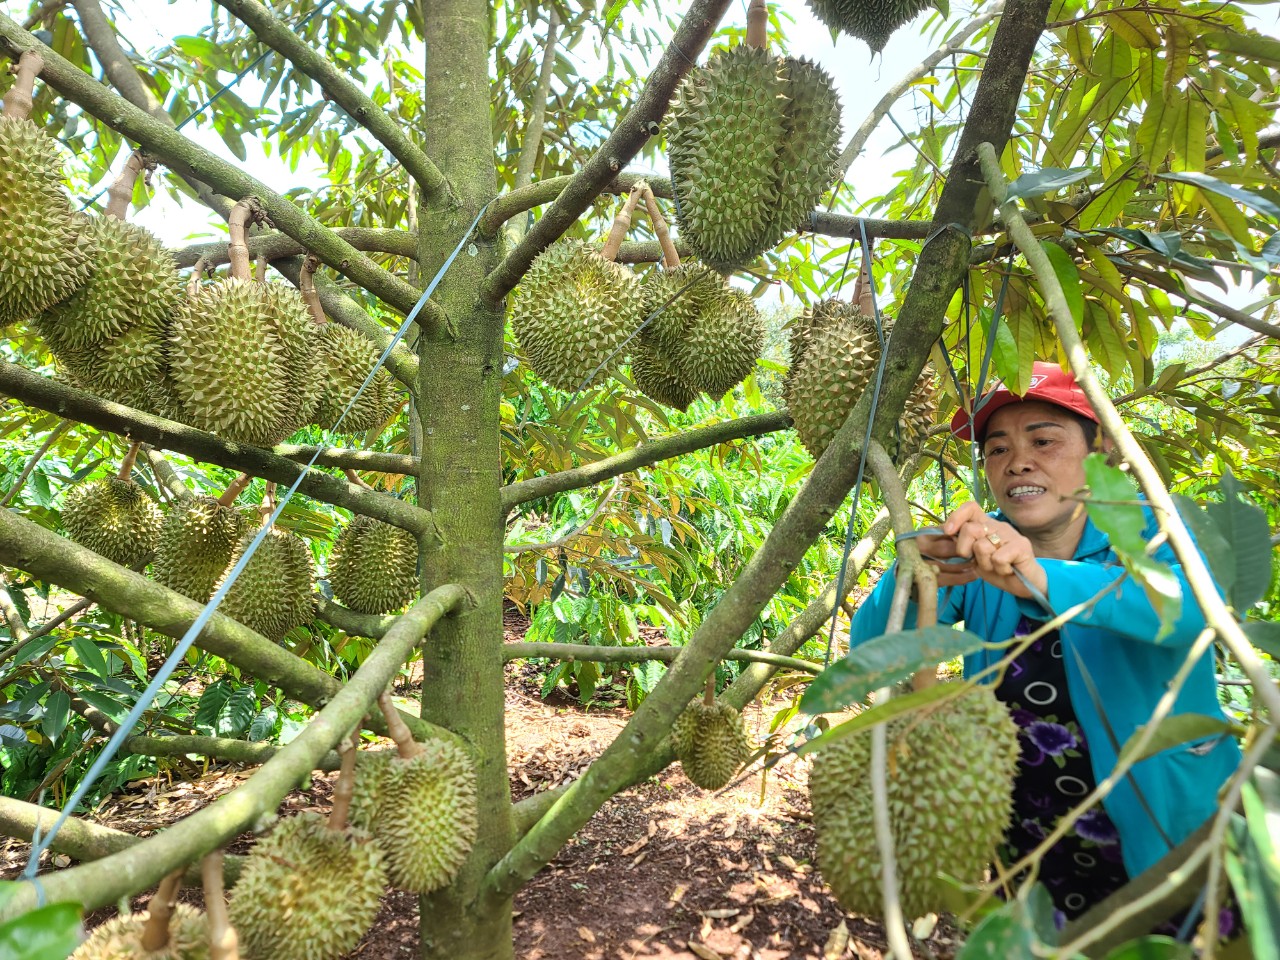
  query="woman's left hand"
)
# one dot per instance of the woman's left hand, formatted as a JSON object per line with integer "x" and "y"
{"x": 997, "y": 549}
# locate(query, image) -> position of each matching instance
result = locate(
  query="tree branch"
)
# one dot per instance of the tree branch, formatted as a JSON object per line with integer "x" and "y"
{"x": 1169, "y": 283}
{"x": 386, "y": 129}
{"x": 593, "y": 654}
{"x": 185, "y": 158}
{"x": 346, "y": 458}
{"x": 42, "y": 553}
{"x": 576, "y": 531}
{"x": 274, "y": 245}
{"x": 216, "y": 748}
{"x": 522, "y": 491}
{"x": 37, "y": 391}
{"x": 640, "y": 123}
{"x": 145, "y": 863}
{"x": 348, "y": 621}
{"x": 532, "y": 140}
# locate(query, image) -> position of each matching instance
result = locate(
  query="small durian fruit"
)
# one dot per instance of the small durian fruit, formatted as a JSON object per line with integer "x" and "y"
{"x": 372, "y": 769}
{"x": 272, "y": 595}
{"x": 721, "y": 344}
{"x": 374, "y": 566}
{"x": 166, "y": 931}
{"x": 573, "y": 312}
{"x": 114, "y": 517}
{"x": 654, "y": 376}
{"x": 426, "y": 814}
{"x": 683, "y": 290}
{"x": 710, "y": 741}
{"x": 44, "y": 255}
{"x": 343, "y": 361}
{"x": 837, "y": 363}
{"x": 872, "y": 21}
{"x": 950, "y": 770}
{"x": 196, "y": 545}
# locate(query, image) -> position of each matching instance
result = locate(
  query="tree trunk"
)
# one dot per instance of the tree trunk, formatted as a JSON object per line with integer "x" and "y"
{"x": 459, "y": 389}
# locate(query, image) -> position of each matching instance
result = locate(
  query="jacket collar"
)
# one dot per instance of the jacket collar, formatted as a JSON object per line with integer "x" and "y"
{"x": 1092, "y": 540}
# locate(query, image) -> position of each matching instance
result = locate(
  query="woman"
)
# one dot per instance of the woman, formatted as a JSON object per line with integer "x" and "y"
{"x": 1079, "y": 693}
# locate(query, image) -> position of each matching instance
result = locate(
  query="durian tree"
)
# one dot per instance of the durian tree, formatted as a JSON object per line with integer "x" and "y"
{"x": 1138, "y": 140}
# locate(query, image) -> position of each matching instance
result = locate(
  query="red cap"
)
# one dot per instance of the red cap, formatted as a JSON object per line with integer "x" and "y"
{"x": 1049, "y": 384}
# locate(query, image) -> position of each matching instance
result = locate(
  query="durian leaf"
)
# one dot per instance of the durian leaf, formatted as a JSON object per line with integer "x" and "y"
{"x": 1038, "y": 183}
{"x": 880, "y": 713}
{"x": 1253, "y": 864}
{"x": 882, "y": 661}
{"x": 1210, "y": 540}
{"x": 1265, "y": 635}
{"x": 57, "y": 712}
{"x": 113, "y": 708}
{"x": 1152, "y": 948}
{"x": 1003, "y": 935}
{"x": 1244, "y": 526}
{"x": 87, "y": 650}
{"x": 47, "y": 933}
{"x": 1068, "y": 277}
{"x": 1176, "y": 730}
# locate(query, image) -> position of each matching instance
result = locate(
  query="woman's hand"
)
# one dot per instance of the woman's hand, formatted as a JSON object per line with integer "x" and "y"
{"x": 997, "y": 549}
{"x": 940, "y": 550}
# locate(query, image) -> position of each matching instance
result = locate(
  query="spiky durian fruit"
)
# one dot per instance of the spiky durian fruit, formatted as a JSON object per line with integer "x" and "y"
{"x": 950, "y": 775}
{"x": 134, "y": 286}
{"x": 120, "y": 938}
{"x": 114, "y": 518}
{"x": 814, "y": 319}
{"x": 838, "y": 351}
{"x": 196, "y": 544}
{"x": 238, "y": 355}
{"x": 922, "y": 407}
{"x": 711, "y": 743}
{"x": 343, "y": 360}
{"x": 374, "y": 566}
{"x": 721, "y": 344}
{"x": 307, "y": 892}
{"x": 573, "y": 312}
{"x": 273, "y": 593}
{"x": 872, "y": 21}
{"x": 44, "y": 255}
{"x": 690, "y": 284}
{"x": 372, "y": 769}
{"x": 427, "y": 817}
{"x": 751, "y": 139}
{"x": 653, "y": 375}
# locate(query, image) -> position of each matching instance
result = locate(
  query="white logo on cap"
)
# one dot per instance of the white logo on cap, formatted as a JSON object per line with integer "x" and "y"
{"x": 1037, "y": 379}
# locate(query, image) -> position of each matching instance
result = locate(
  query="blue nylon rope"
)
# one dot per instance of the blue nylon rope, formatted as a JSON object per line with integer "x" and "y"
{"x": 40, "y": 844}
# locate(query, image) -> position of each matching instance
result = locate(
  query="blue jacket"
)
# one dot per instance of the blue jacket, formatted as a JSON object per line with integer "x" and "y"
{"x": 1113, "y": 645}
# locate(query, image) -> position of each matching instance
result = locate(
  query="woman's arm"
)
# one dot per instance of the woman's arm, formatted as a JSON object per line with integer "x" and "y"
{"x": 873, "y": 613}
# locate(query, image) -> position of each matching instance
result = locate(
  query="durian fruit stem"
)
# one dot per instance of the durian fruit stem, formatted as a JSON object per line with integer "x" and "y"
{"x": 223, "y": 942}
{"x": 758, "y": 25}
{"x": 926, "y": 616}
{"x": 126, "y": 465}
{"x": 197, "y": 273}
{"x": 19, "y": 101}
{"x": 120, "y": 195}
{"x": 344, "y": 786}
{"x": 355, "y": 478}
{"x": 622, "y": 222}
{"x": 268, "y": 504}
{"x": 260, "y": 269}
{"x": 307, "y": 287}
{"x": 709, "y": 691}
{"x": 155, "y": 933}
{"x": 670, "y": 258}
{"x": 238, "y": 248}
{"x": 396, "y": 729}
{"x": 234, "y": 489}
{"x": 864, "y": 296}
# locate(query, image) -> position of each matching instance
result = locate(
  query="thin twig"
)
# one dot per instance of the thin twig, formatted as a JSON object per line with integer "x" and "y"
{"x": 568, "y": 537}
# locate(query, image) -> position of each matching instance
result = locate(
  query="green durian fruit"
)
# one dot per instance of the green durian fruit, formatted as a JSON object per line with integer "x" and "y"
{"x": 295, "y": 328}
{"x": 573, "y": 312}
{"x": 652, "y": 373}
{"x": 922, "y": 407}
{"x": 950, "y": 786}
{"x": 691, "y": 284}
{"x": 343, "y": 360}
{"x": 815, "y": 317}
{"x": 120, "y": 938}
{"x": 238, "y": 362}
{"x": 114, "y": 518}
{"x": 427, "y": 817}
{"x": 44, "y": 255}
{"x": 196, "y": 544}
{"x": 838, "y": 356}
{"x": 722, "y": 344}
{"x": 809, "y": 153}
{"x": 711, "y": 743}
{"x": 374, "y": 566}
{"x": 872, "y": 21}
{"x": 372, "y": 770}
{"x": 272, "y": 595}
{"x": 307, "y": 892}
{"x": 134, "y": 286}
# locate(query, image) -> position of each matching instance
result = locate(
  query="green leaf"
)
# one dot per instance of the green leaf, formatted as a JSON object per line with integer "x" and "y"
{"x": 210, "y": 705}
{"x": 264, "y": 724}
{"x": 86, "y": 649}
{"x": 1068, "y": 277}
{"x": 884, "y": 660}
{"x": 237, "y": 713}
{"x": 57, "y": 712}
{"x": 1265, "y": 635}
{"x": 46, "y": 933}
{"x": 1038, "y": 183}
{"x": 1249, "y": 198}
{"x": 1005, "y": 354}
{"x": 1252, "y": 46}
{"x": 880, "y": 713}
{"x": 1176, "y": 730}
{"x": 1003, "y": 935}
{"x": 1121, "y": 520}
{"x": 1253, "y": 864}
{"x": 1243, "y": 525}
{"x": 1217, "y": 552}
{"x": 1152, "y": 948}
{"x": 113, "y": 708}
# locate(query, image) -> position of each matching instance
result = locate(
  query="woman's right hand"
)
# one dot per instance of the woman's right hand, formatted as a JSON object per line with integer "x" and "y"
{"x": 938, "y": 549}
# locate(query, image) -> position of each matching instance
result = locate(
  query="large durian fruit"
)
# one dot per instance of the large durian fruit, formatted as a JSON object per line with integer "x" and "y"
{"x": 950, "y": 773}
{"x": 111, "y": 335}
{"x": 752, "y": 140}
{"x": 120, "y": 938}
{"x": 196, "y": 545}
{"x": 573, "y": 312}
{"x": 872, "y": 21}
{"x": 343, "y": 359}
{"x": 307, "y": 892}
{"x": 374, "y": 566}
{"x": 44, "y": 255}
{"x": 710, "y": 743}
{"x": 721, "y": 343}
{"x": 272, "y": 595}
{"x": 114, "y": 518}
{"x": 654, "y": 375}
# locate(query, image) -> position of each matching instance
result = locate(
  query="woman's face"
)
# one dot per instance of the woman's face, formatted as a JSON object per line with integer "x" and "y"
{"x": 1034, "y": 455}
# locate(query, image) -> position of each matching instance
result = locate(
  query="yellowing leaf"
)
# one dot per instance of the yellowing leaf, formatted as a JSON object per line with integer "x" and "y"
{"x": 1177, "y": 51}
{"x": 1107, "y": 205}
{"x": 1134, "y": 28}
{"x": 1107, "y": 278}
{"x": 1226, "y": 215}
{"x": 1155, "y": 132}
{"x": 1249, "y": 118}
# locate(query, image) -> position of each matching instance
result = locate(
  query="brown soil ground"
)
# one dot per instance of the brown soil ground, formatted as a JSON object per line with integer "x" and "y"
{"x": 663, "y": 870}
